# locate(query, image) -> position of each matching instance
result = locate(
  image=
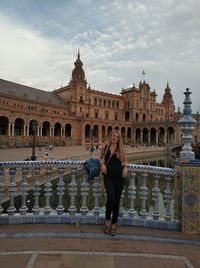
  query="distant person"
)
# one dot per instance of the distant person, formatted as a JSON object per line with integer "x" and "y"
{"x": 114, "y": 167}
{"x": 46, "y": 153}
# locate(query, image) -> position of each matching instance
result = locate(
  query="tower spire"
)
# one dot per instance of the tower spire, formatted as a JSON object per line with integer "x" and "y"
{"x": 143, "y": 75}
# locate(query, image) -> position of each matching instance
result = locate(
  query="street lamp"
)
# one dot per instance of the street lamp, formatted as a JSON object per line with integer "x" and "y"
{"x": 91, "y": 141}
{"x": 34, "y": 129}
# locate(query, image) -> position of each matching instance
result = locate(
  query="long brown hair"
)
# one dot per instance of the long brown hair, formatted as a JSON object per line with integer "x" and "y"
{"x": 120, "y": 146}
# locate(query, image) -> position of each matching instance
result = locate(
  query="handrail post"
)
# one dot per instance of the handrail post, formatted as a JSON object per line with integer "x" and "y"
{"x": 1, "y": 190}
{"x": 12, "y": 191}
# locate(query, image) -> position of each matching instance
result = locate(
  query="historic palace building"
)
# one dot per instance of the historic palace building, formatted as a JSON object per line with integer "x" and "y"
{"x": 77, "y": 114}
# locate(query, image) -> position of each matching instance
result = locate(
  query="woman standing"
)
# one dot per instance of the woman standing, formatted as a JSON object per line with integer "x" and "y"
{"x": 114, "y": 167}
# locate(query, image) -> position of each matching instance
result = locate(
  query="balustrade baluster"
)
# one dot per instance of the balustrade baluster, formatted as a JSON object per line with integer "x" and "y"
{"x": 47, "y": 190}
{"x": 121, "y": 207}
{"x": 167, "y": 196}
{"x": 37, "y": 188}
{"x": 143, "y": 196}
{"x": 73, "y": 191}
{"x": 84, "y": 193}
{"x": 132, "y": 194}
{"x": 155, "y": 195}
{"x": 1, "y": 189}
{"x": 60, "y": 190}
{"x": 12, "y": 191}
{"x": 96, "y": 194}
{"x": 24, "y": 190}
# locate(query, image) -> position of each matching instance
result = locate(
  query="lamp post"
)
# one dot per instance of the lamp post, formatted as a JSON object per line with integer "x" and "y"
{"x": 91, "y": 141}
{"x": 34, "y": 129}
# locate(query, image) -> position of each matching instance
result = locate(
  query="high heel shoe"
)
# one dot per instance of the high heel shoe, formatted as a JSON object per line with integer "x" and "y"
{"x": 106, "y": 228}
{"x": 113, "y": 230}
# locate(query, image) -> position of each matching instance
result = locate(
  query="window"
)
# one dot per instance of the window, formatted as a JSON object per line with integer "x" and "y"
{"x": 96, "y": 115}
{"x": 106, "y": 115}
{"x": 95, "y": 101}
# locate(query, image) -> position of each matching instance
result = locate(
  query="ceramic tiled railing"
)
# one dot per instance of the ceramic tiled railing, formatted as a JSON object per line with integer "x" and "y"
{"x": 147, "y": 200}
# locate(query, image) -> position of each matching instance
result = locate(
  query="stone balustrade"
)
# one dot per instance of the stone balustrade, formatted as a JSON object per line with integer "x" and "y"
{"x": 147, "y": 199}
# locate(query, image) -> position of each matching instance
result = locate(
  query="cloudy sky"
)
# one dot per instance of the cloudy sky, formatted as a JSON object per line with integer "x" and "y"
{"x": 39, "y": 40}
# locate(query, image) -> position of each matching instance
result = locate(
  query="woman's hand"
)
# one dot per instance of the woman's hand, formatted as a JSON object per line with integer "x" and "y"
{"x": 103, "y": 168}
{"x": 125, "y": 172}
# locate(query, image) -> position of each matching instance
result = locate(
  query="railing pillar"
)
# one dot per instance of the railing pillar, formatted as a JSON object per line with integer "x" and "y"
{"x": 24, "y": 189}
{"x": 73, "y": 191}
{"x": 47, "y": 190}
{"x": 60, "y": 190}
{"x": 190, "y": 196}
{"x": 96, "y": 193}
{"x": 1, "y": 190}
{"x": 84, "y": 193}
{"x": 12, "y": 191}
{"x": 167, "y": 196}
{"x": 36, "y": 188}
{"x": 121, "y": 207}
{"x": 156, "y": 194}
{"x": 132, "y": 194}
{"x": 143, "y": 196}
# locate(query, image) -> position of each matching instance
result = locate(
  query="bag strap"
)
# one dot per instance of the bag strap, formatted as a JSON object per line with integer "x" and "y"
{"x": 105, "y": 151}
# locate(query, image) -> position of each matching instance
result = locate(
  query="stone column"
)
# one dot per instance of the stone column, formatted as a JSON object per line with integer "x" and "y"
{"x": 134, "y": 141}
{"x": 156, "y": 137}
{"x": 165, "y": 141}
{"x": 149, "y": 137}
{"x": 9, "y": 129}
{"x": 13, "y": 129}
{"x": 24, "y": 130}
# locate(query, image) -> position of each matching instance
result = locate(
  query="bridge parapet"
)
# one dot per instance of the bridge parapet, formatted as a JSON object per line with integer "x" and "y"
{"x": 147, "y": 199}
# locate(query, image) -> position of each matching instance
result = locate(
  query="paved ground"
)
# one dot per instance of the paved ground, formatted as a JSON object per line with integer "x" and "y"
{"x": 87, "y": 246}
{"x": 59, "y": 152}
{"x": 77, "y": 152}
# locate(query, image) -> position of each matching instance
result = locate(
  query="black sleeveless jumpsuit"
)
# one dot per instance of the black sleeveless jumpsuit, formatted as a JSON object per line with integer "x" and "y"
{"x": 114, "y": 183}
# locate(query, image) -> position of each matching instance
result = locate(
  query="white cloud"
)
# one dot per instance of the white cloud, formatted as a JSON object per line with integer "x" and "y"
{"x": 117, "y": 40}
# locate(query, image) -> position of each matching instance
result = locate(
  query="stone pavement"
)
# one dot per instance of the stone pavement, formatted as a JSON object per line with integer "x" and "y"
{"x": 86, "y": 246}
{"x": 77, "y": 152}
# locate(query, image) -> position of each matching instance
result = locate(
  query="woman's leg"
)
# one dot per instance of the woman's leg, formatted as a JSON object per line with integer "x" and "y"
{"x": 110, "y": 191}
{"x": 119, "y": 185}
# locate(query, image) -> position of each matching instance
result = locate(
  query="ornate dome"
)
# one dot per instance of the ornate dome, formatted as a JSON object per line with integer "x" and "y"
{"x": 78, "y": 72}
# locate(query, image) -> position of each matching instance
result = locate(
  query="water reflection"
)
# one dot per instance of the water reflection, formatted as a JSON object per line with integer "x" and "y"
{"x": 162, "y": 161}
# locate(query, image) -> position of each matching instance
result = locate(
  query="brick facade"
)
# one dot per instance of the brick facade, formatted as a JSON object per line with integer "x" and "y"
{"x": 77, "y": 114}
